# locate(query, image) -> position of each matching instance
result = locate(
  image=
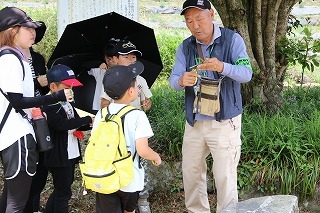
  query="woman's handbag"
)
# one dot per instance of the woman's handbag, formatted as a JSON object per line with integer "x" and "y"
{"x": 41, "y": 130}
{"x": 39, "y": 123}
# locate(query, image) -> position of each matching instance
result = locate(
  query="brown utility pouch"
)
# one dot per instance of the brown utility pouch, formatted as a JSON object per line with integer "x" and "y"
{"x": 207, "y": 98}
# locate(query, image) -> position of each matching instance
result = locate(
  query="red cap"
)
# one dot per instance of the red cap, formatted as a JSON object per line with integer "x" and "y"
{"x": 72, "y": 82}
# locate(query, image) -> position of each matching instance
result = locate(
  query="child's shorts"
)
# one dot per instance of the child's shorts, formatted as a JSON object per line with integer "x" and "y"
{"x": 116, "y": 202}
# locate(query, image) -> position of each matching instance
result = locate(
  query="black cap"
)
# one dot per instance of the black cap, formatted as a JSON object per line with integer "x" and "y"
{"x": 40, "y": 31}
{"x": 124, "y": 47}
{"x": 12, "y": 16}
{"x": 200, "y": 4}
{"x": 118, "y": 79}
{"x": 108, "y": 48}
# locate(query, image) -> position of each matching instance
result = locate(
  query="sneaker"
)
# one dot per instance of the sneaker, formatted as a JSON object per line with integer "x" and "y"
{"x": 144, "y": 194}
{"x": 144, "y": 207}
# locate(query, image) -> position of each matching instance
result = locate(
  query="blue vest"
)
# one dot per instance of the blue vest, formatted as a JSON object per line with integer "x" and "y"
{"x": 230, "y": 97}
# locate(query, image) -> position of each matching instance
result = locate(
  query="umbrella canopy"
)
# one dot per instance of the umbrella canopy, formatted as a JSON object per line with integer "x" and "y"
{"x": 81, "y": 48}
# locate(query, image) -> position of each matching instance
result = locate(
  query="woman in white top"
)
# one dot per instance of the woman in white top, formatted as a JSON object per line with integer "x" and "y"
{"x": 17, "y": 139}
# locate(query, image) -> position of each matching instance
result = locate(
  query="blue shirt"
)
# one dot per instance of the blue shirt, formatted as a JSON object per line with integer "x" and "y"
{"x": 239, "y": 73}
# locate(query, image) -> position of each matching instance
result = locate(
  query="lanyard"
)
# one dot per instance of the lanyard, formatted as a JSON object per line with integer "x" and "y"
{"x": 204, "y": 73}
{"x": 198, "y": 59}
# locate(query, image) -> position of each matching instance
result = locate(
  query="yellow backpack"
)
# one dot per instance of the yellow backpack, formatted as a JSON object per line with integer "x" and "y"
{"x": 108, "y": 166}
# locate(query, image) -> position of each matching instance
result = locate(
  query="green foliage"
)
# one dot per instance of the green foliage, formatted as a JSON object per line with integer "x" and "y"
{"x": 47, "y": 14}
{"x": 167, "y": 118}
{"x": 168, "y": 43}
{"x": 280, "y": 152}
{"x": 300, "y": 50}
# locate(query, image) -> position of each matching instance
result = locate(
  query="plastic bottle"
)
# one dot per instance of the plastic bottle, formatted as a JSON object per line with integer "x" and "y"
{"x": 41, "y": 130}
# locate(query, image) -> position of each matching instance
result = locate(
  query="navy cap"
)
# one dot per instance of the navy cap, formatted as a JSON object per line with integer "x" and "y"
{"x": 200, "y": 4}
{"x": 64, "y": 74}
{"x": 124, "y": 47}
{"x": 118, "y": 79}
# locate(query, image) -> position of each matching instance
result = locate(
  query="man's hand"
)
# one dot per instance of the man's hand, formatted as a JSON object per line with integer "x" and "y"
{"x": 212, "y": 64}
{"x": 188, "y": 79}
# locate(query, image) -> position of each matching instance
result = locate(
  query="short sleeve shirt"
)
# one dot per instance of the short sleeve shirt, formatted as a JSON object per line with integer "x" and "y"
{"x": 98, "y": 74}
{"x": 11, "y": 81}
{"x": 136, "y": 126}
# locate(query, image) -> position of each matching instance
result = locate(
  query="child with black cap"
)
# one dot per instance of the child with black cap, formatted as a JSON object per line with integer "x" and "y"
{"x": 99, "y": 72}
{"x": 64, "y": 125}
{"x": 18, "y": 145}
{"x": 120, "y": 84}
{"x": 126, "y": 53}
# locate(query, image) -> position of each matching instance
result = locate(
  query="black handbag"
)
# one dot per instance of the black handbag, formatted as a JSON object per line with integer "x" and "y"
{"x": 40, "y": 127}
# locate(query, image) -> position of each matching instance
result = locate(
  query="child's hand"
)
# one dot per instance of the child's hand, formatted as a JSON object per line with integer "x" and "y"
{"x": 103, "y": 66}
{"x": 91, "y": 124}
{"x": 146, "y": 104}
{"x": 157, "y": 162}
{"x": 69, "y": 95}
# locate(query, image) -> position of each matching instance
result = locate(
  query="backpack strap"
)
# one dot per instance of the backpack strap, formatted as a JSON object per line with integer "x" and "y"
{"x": 5, "y": 116}
{"x": 122, "y": 113}
{"x": 105, "y": 113}
{"x": 8, "y": 51}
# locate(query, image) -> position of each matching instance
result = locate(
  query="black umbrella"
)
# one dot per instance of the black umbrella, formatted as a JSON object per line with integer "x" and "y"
{"x": 81, "y": 48}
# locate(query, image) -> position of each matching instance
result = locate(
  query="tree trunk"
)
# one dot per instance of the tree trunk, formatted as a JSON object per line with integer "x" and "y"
{"x": 261, "y": 23}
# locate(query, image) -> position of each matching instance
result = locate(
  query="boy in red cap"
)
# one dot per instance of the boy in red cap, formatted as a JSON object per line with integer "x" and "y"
{"x": 64, "y": 123}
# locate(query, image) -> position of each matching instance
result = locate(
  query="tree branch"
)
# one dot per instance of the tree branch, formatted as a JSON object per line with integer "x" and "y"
{"x": 256, "y": 33}
{"x": 270, "y": 37}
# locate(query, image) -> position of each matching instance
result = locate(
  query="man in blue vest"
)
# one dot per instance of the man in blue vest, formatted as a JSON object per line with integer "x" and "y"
{"x": 225, "y": 59}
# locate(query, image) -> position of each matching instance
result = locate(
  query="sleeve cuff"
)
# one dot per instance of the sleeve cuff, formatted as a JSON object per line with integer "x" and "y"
{"x": 226, "y": 69}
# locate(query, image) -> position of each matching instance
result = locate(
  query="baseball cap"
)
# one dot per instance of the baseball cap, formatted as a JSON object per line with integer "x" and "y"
{"x": 200, "y": 4}
{"x": 64, "y": 74}
{"x": 118, "y": 79}
{"x": 108, "y": 48}
{"x": 12, "y": 16}
{"x": 124, "y": 47}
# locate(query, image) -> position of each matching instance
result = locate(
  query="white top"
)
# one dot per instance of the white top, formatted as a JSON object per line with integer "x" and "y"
{"x": 136, "y": 125}
{"x": 144, "y": 92}
{"x": 98, "y": 74}
{"x": 73, "y": 147}
{"x": 11, "y": 80}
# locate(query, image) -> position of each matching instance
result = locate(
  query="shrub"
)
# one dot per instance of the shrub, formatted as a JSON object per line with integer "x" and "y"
{"x": 48, "y": 14}
{"x": 168, "y": 41}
